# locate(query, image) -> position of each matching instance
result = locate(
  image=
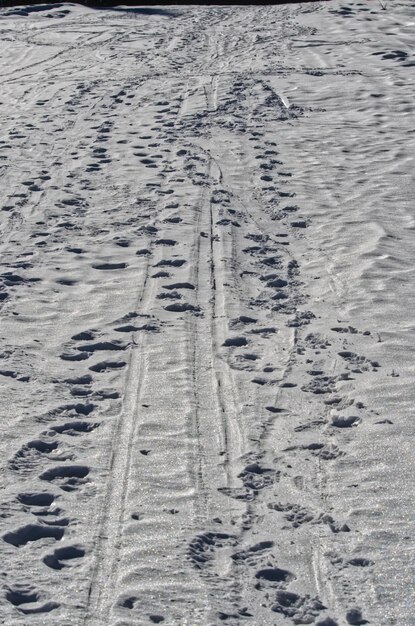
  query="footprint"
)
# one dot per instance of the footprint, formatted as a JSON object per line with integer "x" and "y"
{"x": 32, "y": 532}
{"x": 235, "y": 341}
{"x": 115, "y": 344}
{"x": 62, "y": 557}
{"x": 129, "y": 328}
{"x": 165, "y": 242}
{"x": 354, "y": 617}
{"x": 309, "y": 425}
{"x": 335, "y": 527}
{"x": 202, "y": 548}
{"x": 107, "y": 394}
{"x": 257, "y": 550}
{"x": 264, "y": 331}
{"x": 127, "y": 602}
{"x": 75, "y": 428}
{"x": 172, "y": 295}
{"x": 104, "y": 366}
{"x": 123, "y": 243}
{"x": 29, "y": 454}
{"x": 85, "y": 335}
{"x": 273, "y": 577}
{"x": 244, "y": 319}
{"x": 27, "y": 600}
{"x": 179, "y": 286}
{"x": 326, "y": 452}
{"x": 170, "y": 263}
{"x": 79, "y": 408}
{"x": 293, "y": 513}
{"x": 36, "y": 499}
{"x": 345, "y": 421}
{"x": 277, "y": 283}
{"x": 238, "y": 493}
{"x": 109, "y": 266}
{"x": 361, "y": 562}
{"x": 67, "y": 477}
{"x": 320, "y": 385}
{"x": 256, "y": 477}
{"x": 68, "y": 282}
{"x": 81, "y": 392}
{"x": 74, "y": 356}
{"x": 300, "y": 609}
{"x": 181, "y": 307}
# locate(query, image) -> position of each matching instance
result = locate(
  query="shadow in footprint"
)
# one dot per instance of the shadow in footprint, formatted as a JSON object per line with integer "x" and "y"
{"x": 67, "y": 477}
{"x": 104, "y": 366}
{"x": 75, "y": 428}
{"x": 109, "y": 266}
{"x": 62, "y": 557}
{"x": 36, "y": 499}
{"x": 28, "y": 600}
{"x": 32, "y": 532}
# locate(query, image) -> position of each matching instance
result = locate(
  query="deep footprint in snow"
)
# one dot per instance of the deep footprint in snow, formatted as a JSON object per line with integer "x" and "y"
{"x": 74, "y": 409}
{"x": 67, "y": 477}
{"x": 66, "y": 556}
{"x": 203, "y": 547}
{"x": 74, "y": 356}
{"x": 32, "y": 532}
{"x": 273, "y": 577}
{"x": 165, "y": 242}
{"x": 256, "y": 477}
{"x": 127, "y": 602}
{"x": 109, "y": 266}
{"x": 104, "y": 366}
{"x": 235, "y": 341}
{"x": 181, "y": 307}
{"x": 171, "y": 295}
{"x": 253, "y": 553}
{"x": 174, "y": 286}
{"x": 42, "y": 499}
{"x": 75, "y": 428}
{"x": 85, "y": 335}
{"x": 28, "y": 600}
{"x": 345, "y": 421}
{"x": 300, "y": 609}
{"x": 354, "y": 617}
{"x": 113, "y": 345}
{"x": 30, "y": 453}
{"x": 80, "y": 380}
{"x": 170, "y": 263}
{"x": 294, "y": 513}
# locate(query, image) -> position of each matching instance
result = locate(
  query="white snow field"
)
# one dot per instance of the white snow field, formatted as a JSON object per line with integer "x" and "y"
{"x": 207, "y": 315}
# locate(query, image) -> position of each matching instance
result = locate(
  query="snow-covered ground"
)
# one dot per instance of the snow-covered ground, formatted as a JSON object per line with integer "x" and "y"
{"x": 207, "y": 315}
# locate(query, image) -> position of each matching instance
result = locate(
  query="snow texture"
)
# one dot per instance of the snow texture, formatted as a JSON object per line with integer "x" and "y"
{"x": 207, "y": 315}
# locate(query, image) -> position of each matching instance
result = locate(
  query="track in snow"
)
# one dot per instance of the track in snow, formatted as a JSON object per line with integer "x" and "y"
{"x": 206, "y": 296}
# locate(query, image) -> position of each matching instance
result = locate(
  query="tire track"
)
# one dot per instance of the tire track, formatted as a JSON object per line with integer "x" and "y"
{"x": 100, "y": 593}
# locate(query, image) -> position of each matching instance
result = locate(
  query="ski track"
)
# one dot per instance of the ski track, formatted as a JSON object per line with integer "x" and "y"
{"x": 206, "y": 303}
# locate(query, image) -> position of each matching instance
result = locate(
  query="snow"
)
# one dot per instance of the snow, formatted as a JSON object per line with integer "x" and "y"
{"x": 207, "y": 303}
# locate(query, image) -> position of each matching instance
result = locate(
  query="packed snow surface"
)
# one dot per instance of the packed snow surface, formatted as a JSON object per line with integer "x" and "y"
{"x": 207, "y": 315}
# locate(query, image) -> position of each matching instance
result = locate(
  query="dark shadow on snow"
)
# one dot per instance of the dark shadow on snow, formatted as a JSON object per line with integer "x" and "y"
{"x": 143, "y": 8}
